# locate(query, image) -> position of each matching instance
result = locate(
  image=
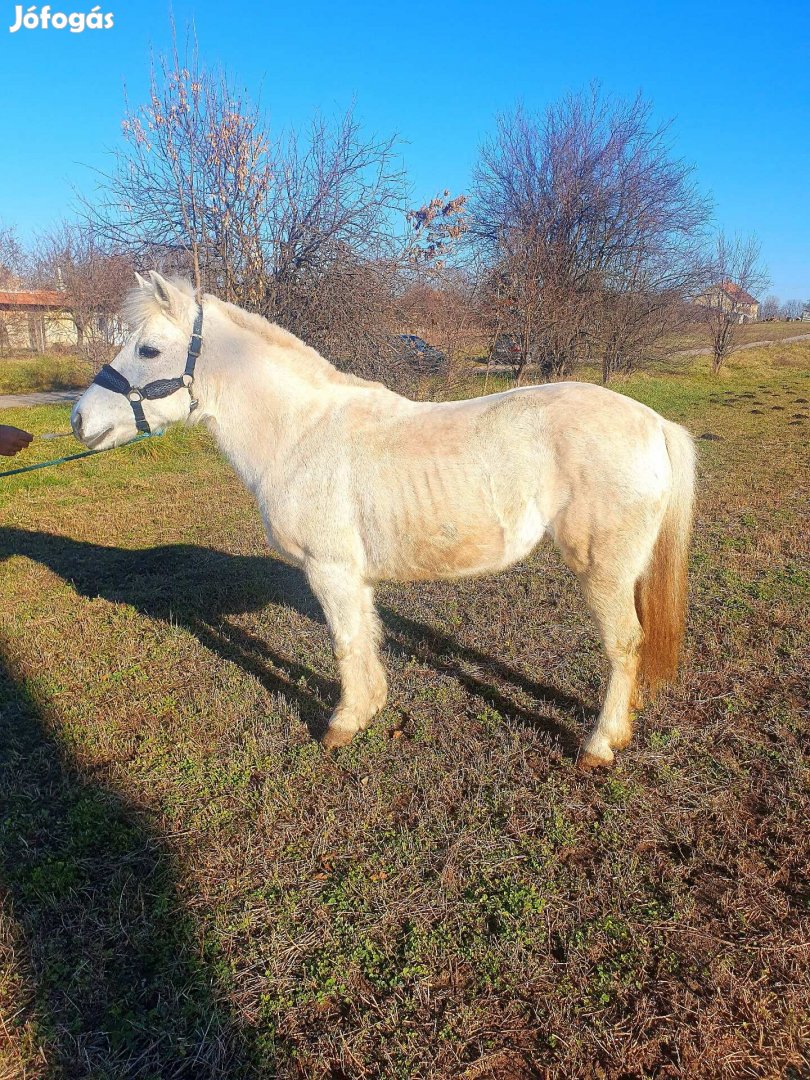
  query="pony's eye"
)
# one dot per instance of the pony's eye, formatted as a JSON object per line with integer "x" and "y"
{"x": 147, "y": 352}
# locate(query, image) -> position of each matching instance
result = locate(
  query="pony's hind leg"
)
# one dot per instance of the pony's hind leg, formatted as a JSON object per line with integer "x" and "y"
{"x": 612, "y": 603}
{"x": 348, "y": 604}
{"x": 608, "y": 555}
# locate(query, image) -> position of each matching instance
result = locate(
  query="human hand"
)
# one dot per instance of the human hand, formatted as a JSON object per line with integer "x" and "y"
{"x": 12, "y": 440}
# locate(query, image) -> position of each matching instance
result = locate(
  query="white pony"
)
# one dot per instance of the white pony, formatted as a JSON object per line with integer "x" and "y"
{"x": 357, "y": 484}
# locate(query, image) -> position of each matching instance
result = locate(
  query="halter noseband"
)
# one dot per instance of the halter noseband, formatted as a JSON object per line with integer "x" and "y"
{"x": 113, "y": 380}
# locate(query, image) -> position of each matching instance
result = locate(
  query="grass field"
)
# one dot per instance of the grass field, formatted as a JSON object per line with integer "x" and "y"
{"x": 745, "y": 334}
{"x": 24, "y": 373}
{"x": 194, "y": 889}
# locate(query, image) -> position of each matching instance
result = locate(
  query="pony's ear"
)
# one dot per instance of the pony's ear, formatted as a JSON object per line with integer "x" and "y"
{"x": 143, "y": 283}
{"x": 168, "y": 295}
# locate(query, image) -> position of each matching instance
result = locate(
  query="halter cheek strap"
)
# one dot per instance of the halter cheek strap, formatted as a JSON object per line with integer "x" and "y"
{"x": 113, "y": 380}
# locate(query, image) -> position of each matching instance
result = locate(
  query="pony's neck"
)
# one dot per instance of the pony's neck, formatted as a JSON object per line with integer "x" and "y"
{"x": 258, "y": 396}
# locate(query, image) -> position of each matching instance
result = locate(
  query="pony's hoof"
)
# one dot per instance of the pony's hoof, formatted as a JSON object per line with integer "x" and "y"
{"x": 336, "y": 736}
{"x": 589, "y": 762}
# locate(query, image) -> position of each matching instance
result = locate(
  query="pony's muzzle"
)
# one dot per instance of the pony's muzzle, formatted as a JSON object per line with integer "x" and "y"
{"x": 76, "y": 423}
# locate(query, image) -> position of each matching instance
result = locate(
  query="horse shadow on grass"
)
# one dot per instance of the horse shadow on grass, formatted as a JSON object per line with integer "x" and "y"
{"x": 111, "y": 981}
{"x": 200, "y": 587}
{"x": 108, "y": 978}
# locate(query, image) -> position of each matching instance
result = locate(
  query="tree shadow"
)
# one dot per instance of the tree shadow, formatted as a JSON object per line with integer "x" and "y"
{"x": 110, "y": 982}
{"x": 199, "y": 587}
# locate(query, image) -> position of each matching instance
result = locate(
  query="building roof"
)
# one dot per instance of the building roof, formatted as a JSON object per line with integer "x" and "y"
{"x": 736, "y": 293}
{"x": 33, "y": 298}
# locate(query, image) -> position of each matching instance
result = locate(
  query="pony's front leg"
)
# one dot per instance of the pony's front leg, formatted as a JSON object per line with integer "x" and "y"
{"x": 348, "y": 604}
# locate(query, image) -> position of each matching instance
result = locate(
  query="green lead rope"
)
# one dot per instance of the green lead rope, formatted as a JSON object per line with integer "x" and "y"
{"x": 73, "y": 457}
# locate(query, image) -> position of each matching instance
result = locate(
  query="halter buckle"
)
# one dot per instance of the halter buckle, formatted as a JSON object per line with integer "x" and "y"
{"x": 135, "y": 395}
{"x": 188, "y": 380}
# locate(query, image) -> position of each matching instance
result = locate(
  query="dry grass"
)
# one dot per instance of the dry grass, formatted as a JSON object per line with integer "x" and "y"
{"x": 696, "y": 338}
{"x": 23, "y": 373}
{"x": 193, "y": 889}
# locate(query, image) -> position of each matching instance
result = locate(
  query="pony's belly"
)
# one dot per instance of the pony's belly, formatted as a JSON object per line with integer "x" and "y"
{"x": 453, "y": 550}
{"x": 432, "y": 558}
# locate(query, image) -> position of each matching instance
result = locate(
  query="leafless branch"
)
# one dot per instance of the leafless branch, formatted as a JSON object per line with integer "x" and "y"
{"x": 592, "y": 231}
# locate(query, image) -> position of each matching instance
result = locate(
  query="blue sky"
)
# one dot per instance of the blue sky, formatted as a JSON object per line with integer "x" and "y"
{"x": 734, "y": 78}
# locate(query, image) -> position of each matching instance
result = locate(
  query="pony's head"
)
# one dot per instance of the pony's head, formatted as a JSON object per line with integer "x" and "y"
{"x": 161, "y": 317}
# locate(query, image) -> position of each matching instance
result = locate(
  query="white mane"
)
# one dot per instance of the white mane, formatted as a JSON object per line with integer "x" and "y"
{"x": 142, "y": 304}
{"x": 281, "y": 339}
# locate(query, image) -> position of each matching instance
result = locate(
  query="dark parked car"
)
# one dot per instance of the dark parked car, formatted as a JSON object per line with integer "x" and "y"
{"x": 507, "y": 350}
{"x": 424, "y": 358}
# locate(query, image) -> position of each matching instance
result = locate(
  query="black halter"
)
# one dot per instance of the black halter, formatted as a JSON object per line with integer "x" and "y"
{"x": 113, "y": 380}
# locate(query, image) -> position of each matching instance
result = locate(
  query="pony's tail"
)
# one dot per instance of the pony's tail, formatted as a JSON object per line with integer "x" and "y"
{"x": 661, "y": 590}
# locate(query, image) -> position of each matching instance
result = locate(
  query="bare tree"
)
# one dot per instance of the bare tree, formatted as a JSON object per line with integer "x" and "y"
{"x": 440, "y": 291}
{"x": 512, "y": 225}
{"x": 12, "y": 262}
{"x": 443, "y": 308}
{"x": 769, "y": 308}
{"x": 73, "y": 259}
{"x": 12, "y": 258}
{"x": 297, "y": 228}
{"x": 593, "y": 230}
{"x": 532, "y": 317}
{"x": 791, "y": 309}
{"x": 737, "y": 275}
